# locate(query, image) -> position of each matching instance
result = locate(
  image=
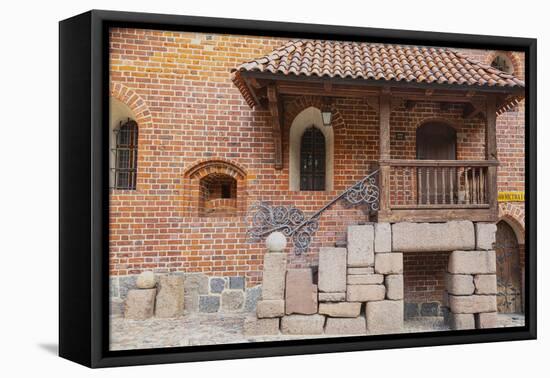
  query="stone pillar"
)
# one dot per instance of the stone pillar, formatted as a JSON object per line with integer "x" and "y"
{"x": 471, "y": 287}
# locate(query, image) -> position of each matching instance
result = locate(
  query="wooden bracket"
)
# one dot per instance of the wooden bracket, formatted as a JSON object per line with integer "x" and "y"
{"x": 372, "y": 101}
{"x": 276, "y": 110}
{"x": 473, "y": 108}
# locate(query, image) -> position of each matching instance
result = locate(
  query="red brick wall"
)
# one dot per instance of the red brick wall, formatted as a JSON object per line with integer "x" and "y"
{"x": 188, "y": 112}
{"x": 424, "y": 276}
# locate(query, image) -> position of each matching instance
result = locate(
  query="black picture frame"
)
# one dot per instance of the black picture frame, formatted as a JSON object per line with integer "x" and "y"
{"x": 83, "y": 196}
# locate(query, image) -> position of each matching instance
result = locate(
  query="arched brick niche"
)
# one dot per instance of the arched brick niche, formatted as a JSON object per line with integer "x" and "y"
{"x": 215, "y": 188}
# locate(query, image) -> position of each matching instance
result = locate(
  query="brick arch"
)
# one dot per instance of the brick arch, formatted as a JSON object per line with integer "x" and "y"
{"x": 514, "y": 59}
{"x": 295, "y": 107}
{"x": 515, "y": 216}
{"x": 212, "y": 167}
{"x": 456, "y": 124}
{"x": 133, "y": 100}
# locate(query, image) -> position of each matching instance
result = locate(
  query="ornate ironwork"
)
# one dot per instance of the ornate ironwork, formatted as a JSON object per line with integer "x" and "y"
{"x": 293, "y": 223}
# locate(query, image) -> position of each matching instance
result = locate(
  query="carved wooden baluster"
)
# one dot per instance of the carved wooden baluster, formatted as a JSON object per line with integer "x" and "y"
{"x": 484, "y": 197}
{"x": 428, "y": 185}
{"x": 419, "y": 174}
{"x": 467, "y": 187}
{"x": 444, "y": 184}
{"x": 451, "y": 183}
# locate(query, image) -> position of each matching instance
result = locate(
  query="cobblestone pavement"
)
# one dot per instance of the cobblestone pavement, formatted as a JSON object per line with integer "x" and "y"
{"x": 208, "y": 329}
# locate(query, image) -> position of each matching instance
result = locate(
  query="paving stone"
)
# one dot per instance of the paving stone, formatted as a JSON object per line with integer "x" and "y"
{"x": 433, "y": 237}
{"x": 412, "y": 310}
{"x": 472, "y": 262}
{"x": 486, "y": 235}
{"x": 273, "y": 280}
{"x": 140, "y": 304}
{"x": 270, "y": 308}
{"x": 236, "y": 283}
{"x": 346, "y": 326}
{"x": 429, "y": 309}
{"x": 472, "y": 304}
{"x": 302, "y": 324}
{"x": 394, "y": 286}
{"x": 486, "y": 320}
{"x": 209, "y": 303}
{"x": 364, "y": 293}
{"x": 360, "y": 245}
{"x": 365, "y": 279}
{"x": 332, "y": 269}
{"x": 388, "y": 263}
{"x": 462, "y": 321}
{"x": 384, "y": 317}
{"x": 146, "y": 280}
{"x": 170, "y": 297}
{"x": 232, "y": 300}
{"x": 364, "y": 270}
{"x": 382, "y": 237}
{"x": 332, "y": 297}
{"x": 217, "y": 285}
{"x": 460, "y": 284}
{"x": 485, "y": 283}
{"x": 252, "y": 295}
{"x": 259, "y": 327}
{"x": 341, "y": 309}
{"x": 198, "y": 281}
{"x": 301, "y": 293}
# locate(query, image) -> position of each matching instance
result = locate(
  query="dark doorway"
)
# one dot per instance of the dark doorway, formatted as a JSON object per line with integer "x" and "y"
{"x": 508, "y": 270}
{"x": 436, "y": 141}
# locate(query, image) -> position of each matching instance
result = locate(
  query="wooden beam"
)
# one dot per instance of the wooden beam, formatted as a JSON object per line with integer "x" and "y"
{"x": 384, "y": 142}
{"x": 490, "y": 129}
{"x": 276, "y": 110}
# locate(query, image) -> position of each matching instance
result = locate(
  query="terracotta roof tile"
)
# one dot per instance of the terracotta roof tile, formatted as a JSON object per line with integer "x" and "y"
{"x": 374, "y": 61}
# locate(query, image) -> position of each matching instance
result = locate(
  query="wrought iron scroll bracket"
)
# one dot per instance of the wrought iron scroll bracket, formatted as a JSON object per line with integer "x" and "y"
{"x": 294, "y": 224}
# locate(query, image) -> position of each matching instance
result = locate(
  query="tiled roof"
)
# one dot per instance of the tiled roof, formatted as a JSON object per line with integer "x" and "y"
{"x": 374, "y": 61}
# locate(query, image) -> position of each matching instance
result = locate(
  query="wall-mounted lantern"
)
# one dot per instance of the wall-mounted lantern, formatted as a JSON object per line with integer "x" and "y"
{"x": 326, "y": 113}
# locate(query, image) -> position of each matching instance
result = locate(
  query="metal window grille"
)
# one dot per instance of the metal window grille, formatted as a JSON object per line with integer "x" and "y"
{"x": 126, "y": 155}
{"x": 312, "y": 160}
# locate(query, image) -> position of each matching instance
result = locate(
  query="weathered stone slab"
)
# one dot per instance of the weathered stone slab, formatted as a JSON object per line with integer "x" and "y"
{"x": 394, "y": 286}
{"x": 346, "y": 326}
{"x": 232, "y": 300}
{"x": 365, "y": 279}
{"x": 191, "y": 300}
{"x": 360, "y": 245}
{"x": 433, "y": 237}
{"x": 364, "y": 293}
{"x": 270, "y": 308}
{"x": 217, "y": 284}
{"x": 116, "y": 307}
{"x": 140, "y": 304}
{"x": 301, "y": 294}
{"x": 170, "y": 297}
{"x": 332, "y": 269}
{"x": 364, "y": 270}
{"x": 302, "y": 324}
{"x": 259, "y": 327}
{"x": 486, "y": 235}
{"x": 462, "y": 321}
{"x": 384, "y": 317}
{"x": 388, "y": 263}
{"x": 146, "y": 280}
{"x": 236, "y": 282}
{"x": 485, "y": 283}
{"x": 273, "y": 280}
{"x": 382, "y": 238}
{"x": 341, "y": 309}
{"x": 472, "y": 262}
{"x": 198, "y": 281}
{"x": 252, "y": 295}
{"x": 429, "y": 309}
{"x": 486, "y": 320}
{"x": 332, "y": 297}
{"x": 472, "y": 304}
{"x": 460, "y": 284}
{"x": 209, "y": 303}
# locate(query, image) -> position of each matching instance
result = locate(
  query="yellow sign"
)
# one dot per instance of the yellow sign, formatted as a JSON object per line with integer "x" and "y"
{"x": 511, "y": 196}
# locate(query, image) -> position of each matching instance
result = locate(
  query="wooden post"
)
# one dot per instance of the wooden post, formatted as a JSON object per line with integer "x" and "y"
{"x": 276, "y": 110}
{"x": 384, "y": 141}
{"x": 491, "y": 154}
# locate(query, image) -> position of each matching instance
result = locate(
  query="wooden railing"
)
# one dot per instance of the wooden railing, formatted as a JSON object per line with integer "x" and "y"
{"x": 440, "y": 184}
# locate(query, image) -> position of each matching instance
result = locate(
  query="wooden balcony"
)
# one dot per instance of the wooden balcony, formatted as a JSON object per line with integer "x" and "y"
{"x": 438, "y": 190}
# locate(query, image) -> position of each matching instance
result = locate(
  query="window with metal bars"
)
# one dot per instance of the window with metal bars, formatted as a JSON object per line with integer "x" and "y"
{"x": 126, "y": 155}
{"x": 312, "y": 160}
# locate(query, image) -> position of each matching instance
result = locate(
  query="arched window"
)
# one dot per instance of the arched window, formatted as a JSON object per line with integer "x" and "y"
{"x": 312, "y": 160}
{"x": 502, "y": 63}
{"x": 126, "y": 155}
